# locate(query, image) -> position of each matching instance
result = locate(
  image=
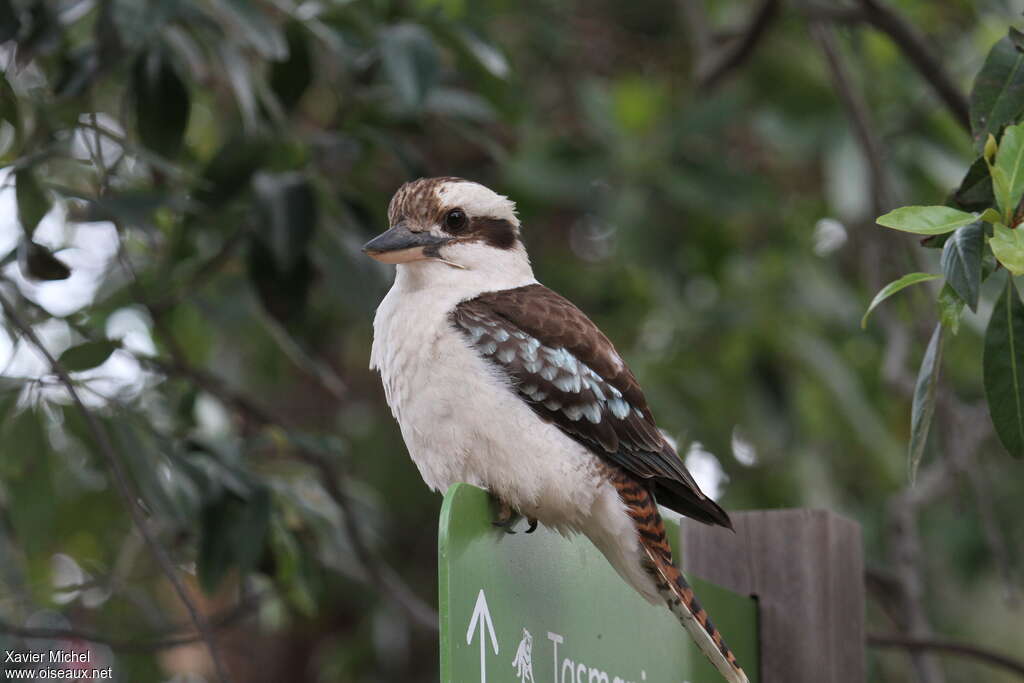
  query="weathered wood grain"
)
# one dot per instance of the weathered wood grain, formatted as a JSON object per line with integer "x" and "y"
{"x": 805, "y": 567}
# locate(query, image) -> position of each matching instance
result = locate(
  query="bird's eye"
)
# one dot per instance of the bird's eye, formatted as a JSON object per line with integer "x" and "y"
{"x": 455, "y": 220}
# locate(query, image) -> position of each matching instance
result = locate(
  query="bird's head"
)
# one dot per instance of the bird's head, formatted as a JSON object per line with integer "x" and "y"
{"x": 450, "y": 223}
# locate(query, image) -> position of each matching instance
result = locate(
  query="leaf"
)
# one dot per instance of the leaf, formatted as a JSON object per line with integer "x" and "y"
{"x": 290, "y": 570}
{"x": 10, "y": 23}
{"x": 453, "y": 103}
{"x": 131, "y": 208}
{"x": 78, "y": 71}
{"x": 231, "y": 169}
{"x": 287, "y": 212}
{"x": 290, "y": 78}
{"x": 1001, "y": 189}
{"x": 1017, "y": 38}
{"x": 926, "y": 220}
{"x": 86, "y": 356}
{"x": 961, "y": 262}
{"x": 9, "y": 112}
{"x": 1003, "y": 369}
{"x": 951, "y": 308}
{"x": 1008, "y": 246}
{"x": 923, "y": 409}
{"x": 161, "y": 103}
{"x": 991, "y": 147}
{"x": 485, "y": 54}
{"x": 997, "y": 98}
{"x": 234, "y": 533}
{"x": 1010, "y": 161}
{"x": 411, "y": 62}
{"x": 975, "y": 191}
{"x": 239, "y": 71}
{"x": 892, "y": 288}
{"x": 33, "y": 202}
{"x": 283, "y": 293}
{"x": 253, "y": 27}
{"x": 990, "y": 215}
{"x": 37, "y": 263}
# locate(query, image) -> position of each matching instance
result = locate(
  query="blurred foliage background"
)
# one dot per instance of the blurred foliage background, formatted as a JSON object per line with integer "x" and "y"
{"x": 185, "y": 188}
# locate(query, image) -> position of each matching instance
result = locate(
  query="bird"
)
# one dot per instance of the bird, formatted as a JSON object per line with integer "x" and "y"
{"x": 497, "y": 381}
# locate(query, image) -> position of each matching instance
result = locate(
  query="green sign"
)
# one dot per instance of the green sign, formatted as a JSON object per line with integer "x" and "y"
{"x": 540, "y": 608}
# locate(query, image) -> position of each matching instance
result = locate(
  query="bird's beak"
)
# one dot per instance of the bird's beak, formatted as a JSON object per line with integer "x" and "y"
{"x": 401, "y": 245}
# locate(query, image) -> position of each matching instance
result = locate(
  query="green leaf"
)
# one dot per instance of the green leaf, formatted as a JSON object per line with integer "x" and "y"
{"x": 290, "y": 78}
{"x": 86, "y": 356}
{"x": 990, "y": 215}
{"x": 892, "y": 288}
{"x": 287, "y": 212}
{"x": 975, "y": 191}
{"x": 78, "y": 72}
{"x": 923, "y": 409}
{"x": 131, "y": 208}
{"x": 253, "y": 27}
{"x": 1001, "y": 188}
{"x": 37, "y": 263}
{"x": 1010, "y": 161}
{"x": 1017, "y": 38}
{"x": 926, "y": 220}
{"x": 234, "y": 533}
{"x": 997, "y": 98}
{"x": 9, "y": 112}
{"x": 991, "y": 147}
{"x": 10, "y": 23}
{"x": 1003, "y": 369}
{"x": 33, "y": 202}
{"x": 411, "y": 61}
{"x": 229, "y": 171}
{"x": 951, "y": 308}
{"x": 1008, "y": 246}
{"x": 283, "y": 293}
{"x": 485, "y": 54}
{"x": 961, "y": 262}
{"x": 291, "y": 572}
{"x": 161, "y": 103}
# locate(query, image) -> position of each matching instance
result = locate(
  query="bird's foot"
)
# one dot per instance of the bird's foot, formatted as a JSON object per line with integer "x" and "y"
{"x": 507, "y": 517}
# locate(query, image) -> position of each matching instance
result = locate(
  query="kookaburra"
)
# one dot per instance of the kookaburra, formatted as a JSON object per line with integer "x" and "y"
{"x": 498, "y": 381}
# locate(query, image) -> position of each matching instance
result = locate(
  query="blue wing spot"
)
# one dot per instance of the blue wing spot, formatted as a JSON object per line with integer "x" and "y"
{"x": 619, "y": 408}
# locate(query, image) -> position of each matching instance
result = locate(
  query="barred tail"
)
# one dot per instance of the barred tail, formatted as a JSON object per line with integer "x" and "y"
{"x": 672, "y": 587}
{"x": 684, "y": 605}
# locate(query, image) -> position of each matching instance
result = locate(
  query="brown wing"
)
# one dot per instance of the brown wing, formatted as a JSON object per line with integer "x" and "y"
{"x": 564, "y": 367}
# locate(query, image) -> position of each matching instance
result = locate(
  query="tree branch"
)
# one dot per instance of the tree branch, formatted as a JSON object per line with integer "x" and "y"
{"x": 166, "y": 641}
{"x": 915, "y": 48}
{"x": 696, "y": 24}
{"x": 949, "y": 647}
{"x": 734, "y": 56}
{"x": 857, "y": 110}
{"x": 121, "y": 482}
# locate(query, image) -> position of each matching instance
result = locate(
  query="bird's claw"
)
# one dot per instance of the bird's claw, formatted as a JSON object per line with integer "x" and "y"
{"x": 507, "y": 518}
{"x": 533, "y": 525}
{"x": 505, "y": 525}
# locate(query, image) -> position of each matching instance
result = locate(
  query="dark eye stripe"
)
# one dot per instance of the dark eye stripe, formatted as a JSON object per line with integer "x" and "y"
{"x": 496, "y": 232}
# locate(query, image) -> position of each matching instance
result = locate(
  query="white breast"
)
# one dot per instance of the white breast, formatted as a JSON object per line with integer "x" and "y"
{"x": 462, "y": 422}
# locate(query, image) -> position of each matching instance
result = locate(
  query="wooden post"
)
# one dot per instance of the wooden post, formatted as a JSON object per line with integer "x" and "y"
{"x": 806, "y": 569}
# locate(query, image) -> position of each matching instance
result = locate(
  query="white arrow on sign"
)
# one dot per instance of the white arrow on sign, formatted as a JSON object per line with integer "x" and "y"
{"x": 482, "y": 616}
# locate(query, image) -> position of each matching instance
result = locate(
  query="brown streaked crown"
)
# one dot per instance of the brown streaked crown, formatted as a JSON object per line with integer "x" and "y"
{"x": 419, "y": 198}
